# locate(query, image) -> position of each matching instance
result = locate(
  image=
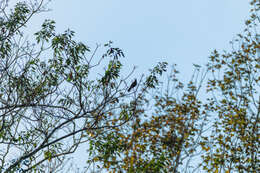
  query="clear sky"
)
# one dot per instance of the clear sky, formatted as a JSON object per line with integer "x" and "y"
{"x": 149, "y": 31}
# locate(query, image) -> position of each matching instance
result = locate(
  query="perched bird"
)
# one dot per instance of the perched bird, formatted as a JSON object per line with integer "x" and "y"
{"x": 132, "y": 85}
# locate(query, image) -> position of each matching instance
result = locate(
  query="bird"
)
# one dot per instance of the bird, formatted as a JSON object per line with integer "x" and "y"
{"x": 132, "y": 85}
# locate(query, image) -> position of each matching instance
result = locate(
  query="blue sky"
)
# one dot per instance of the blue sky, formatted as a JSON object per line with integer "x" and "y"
{"x": 149, "y": 31}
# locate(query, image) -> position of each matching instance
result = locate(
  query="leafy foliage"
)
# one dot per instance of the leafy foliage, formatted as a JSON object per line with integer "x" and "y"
{"x": 53, "y": 100}
{"x": 234, "y": 143}
{"x": 49, "y": 103}
{"x": 221, "y": 131}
